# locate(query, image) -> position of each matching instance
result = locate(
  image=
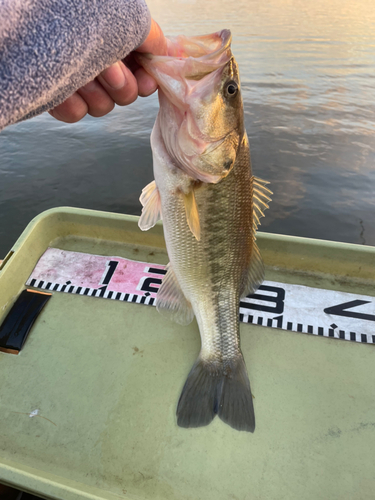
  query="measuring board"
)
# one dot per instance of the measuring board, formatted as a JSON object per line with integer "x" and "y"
{"x": 278, "y": 305}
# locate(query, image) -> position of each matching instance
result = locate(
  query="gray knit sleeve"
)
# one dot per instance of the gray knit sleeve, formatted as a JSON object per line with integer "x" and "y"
{"x": 50, "y": 48}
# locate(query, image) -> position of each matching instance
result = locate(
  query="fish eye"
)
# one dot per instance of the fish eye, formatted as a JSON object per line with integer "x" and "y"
{"x": 231, "y": 89}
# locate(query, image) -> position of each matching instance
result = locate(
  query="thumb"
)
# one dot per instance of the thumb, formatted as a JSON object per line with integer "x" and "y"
{"x": 155, "y": 43}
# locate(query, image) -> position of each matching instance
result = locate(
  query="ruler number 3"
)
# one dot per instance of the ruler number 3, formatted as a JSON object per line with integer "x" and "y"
{"x": 277, "y": 300}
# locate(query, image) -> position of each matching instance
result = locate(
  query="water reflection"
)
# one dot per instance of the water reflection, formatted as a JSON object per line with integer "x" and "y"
{"x": 308, "y": 79}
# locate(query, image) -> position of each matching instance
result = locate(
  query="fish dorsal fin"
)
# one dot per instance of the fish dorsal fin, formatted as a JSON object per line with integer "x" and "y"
{"x": 192, "y": 215}
{"x": 255, "y": 273}
{"x": 261, "y": 197}
{"x": 171, "y": 301}
{"x": 151, "y": 212}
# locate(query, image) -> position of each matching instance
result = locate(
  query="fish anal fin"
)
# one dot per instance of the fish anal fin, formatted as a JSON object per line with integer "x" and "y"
{"x": 215, "y": 388}
{"x": 171, "y": 301}
{"x": 192, "y": 215}
{"x": 151, "y": 212}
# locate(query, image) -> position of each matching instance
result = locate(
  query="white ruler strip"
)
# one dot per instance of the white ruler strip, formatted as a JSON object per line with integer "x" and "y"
{"x": 278, "y": 305}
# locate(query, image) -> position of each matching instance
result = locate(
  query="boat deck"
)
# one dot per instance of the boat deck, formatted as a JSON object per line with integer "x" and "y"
{"x": 103, "y": 379}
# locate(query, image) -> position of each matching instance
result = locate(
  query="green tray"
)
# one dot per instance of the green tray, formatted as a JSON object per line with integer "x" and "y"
{"x": 106, "y": 376}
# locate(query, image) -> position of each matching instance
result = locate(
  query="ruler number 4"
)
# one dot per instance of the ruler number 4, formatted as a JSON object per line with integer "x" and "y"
{"x": 342, "y": 310}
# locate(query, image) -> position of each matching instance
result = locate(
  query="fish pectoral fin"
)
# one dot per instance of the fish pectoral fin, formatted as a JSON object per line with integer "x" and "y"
{"x": 192, "y": 215}
{"x": 255, "y": 273}
{"x": 261, "y": 198}
{"x": 151, "y": 212}
{"x": 171, "y": 301}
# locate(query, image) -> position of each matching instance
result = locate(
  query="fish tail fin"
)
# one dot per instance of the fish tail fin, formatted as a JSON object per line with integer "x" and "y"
{"x": 236, "y": 403}
{"x": 217, "y": 389}
{"x": 196, "y": 406}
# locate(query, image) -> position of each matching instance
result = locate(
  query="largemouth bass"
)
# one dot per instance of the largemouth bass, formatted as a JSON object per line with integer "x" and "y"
{"x": 210, "y": 206}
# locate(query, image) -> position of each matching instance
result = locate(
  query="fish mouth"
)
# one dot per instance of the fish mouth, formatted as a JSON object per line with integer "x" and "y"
{"x": 210, "y": 52}
{"x": 200, "y": 54}
{"x": 188, "y": 58}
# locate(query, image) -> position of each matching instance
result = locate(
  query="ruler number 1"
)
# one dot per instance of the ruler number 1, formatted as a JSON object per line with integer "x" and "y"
{"x": 110, "y": 268}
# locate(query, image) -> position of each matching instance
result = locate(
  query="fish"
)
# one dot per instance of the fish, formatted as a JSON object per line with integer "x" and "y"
{"x": 210, "y": 204}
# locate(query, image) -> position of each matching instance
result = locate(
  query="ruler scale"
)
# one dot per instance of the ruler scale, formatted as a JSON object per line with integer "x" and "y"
{"x": 297, "y": 308}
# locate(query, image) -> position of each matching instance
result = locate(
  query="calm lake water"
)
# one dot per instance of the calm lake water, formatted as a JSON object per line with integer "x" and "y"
{"x": 308, "y": 78}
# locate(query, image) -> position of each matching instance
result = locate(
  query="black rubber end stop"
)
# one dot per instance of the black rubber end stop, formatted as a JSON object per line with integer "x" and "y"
{"x": 18, "y": 322}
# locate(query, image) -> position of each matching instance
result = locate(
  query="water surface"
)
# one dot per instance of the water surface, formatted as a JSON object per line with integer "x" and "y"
{"x": 308, "y": 76}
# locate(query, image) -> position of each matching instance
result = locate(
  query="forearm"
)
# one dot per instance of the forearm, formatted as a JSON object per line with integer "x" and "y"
{"x": 50, "y": 48}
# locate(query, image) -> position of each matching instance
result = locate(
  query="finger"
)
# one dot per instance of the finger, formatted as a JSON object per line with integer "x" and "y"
{"x": 155, "y": 43}
{"x": 97, "y": 99}
{"x": 146, "y": 84}
{"x": 120, "y": 84}
{"x": 70, "y": 111}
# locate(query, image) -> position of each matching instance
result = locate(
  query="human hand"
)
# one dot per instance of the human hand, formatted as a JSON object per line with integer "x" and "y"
{"x": 119, "y": 84}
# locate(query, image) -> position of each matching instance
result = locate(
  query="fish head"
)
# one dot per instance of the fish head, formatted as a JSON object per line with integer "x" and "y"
{"x": 213, "y": 125}
{"x": 201, "y": 109}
